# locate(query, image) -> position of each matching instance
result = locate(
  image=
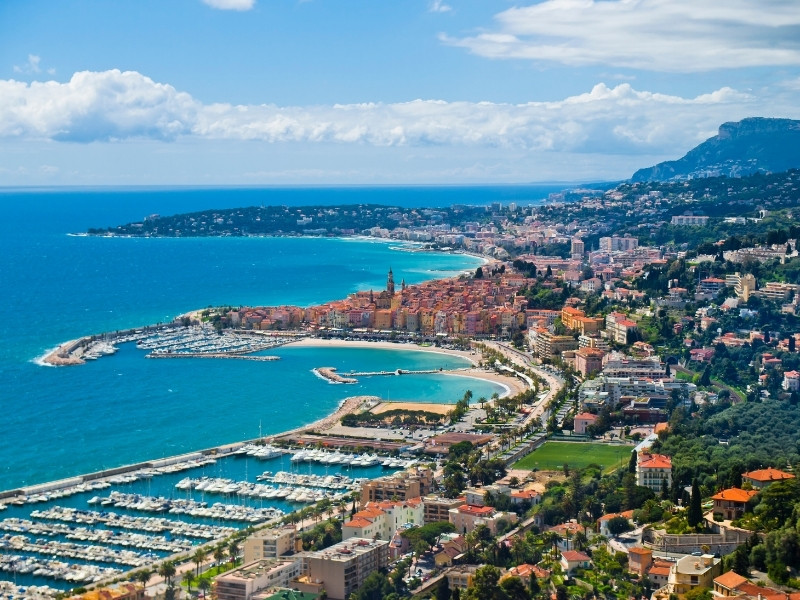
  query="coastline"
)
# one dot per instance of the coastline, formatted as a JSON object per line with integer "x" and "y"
{"x": 512, "y": 385}
{"x": 349, "y": 405}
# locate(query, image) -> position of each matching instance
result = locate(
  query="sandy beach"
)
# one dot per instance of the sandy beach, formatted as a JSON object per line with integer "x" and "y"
{"x": 513, "y": 385}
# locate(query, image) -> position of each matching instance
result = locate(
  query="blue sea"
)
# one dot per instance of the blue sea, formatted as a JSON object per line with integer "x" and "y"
{"x": 59, "y": 422}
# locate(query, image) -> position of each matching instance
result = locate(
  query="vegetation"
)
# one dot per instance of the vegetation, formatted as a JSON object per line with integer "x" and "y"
{"x": 554, "y": 456}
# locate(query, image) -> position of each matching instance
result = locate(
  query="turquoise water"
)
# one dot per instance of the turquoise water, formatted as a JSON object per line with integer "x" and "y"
{"x": 58, "y": 422}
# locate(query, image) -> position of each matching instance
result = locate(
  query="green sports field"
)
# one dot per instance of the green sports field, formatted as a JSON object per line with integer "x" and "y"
{"x": 552, "y": 456}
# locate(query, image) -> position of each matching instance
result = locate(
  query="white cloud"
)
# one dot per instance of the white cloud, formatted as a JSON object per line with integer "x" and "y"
{"x": 115, "y": 105}
{"x": 231, "y": 4}
{"x": 658, "y": 35}
{"x": 32, "y": 66}
{"x": 438, "y": 6}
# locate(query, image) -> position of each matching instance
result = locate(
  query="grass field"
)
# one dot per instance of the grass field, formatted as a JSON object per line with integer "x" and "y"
{"x": 552, "y": 456}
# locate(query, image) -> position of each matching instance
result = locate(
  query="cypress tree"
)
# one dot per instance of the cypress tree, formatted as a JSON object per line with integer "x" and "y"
{"x": 695, "y": 514}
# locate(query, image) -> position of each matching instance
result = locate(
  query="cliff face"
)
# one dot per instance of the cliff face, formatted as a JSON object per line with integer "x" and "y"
{"x": 743, "y": 148}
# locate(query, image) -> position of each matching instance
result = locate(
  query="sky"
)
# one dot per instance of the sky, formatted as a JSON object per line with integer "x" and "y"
{"x": 312, "y": 92}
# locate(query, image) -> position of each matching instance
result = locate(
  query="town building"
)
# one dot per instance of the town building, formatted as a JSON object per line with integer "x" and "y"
{"x": 690, "y": 220}
{"x": 380, "y": 520}
{"x": 732, "y": 503}
{"x": 691, "y": 572}
{"x": 466, "y": 517}
{"x": 242, "y": 583}
{"x": 403, "y": 485}
{"x": 652, "y": 470}
{"x": 574, "y": 559}
{"x": 761, "y": 478}
{"x": 460, "y": 577}
{"x": 582, "y": 421}
{"x": 270, "y": 543}
{"x": 341, "y": 569}
{"x": 120, "y": 591}
{"x": 437, "y": 508}
{"x": 639, "y": 560}
{"x": 588, "y": 361}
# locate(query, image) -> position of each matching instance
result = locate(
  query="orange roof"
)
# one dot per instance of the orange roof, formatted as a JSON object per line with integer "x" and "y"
{"x": 730, "y": 580}
{"x": 659, "y": 427}
{"x": 628, "y": 514}
{"x": 734, "y": 495}
{"x": 585, "y": 416}
{"x": 768, "y": 474}
{"x": 641, "y": 551}
{"x": 654, "y": 461}
{"x": 574, "y": 555}
{"x": 659, "y": 570}
{"x": 475, "y": 510}
{"x": 524, "y": 570}
{"x": 358, "y": 522}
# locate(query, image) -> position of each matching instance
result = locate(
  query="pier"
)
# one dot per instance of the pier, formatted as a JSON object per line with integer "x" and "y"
{"x": 330, "y": 373}
{"x": 211, "y": 355}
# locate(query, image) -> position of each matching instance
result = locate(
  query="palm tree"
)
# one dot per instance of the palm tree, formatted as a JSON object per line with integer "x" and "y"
{"x": 188, "y": 577}
{"x": 199, "y": 558}
{"x": 233, "y": 551}
{"x": 204, "y": 584}
{"x": 219, "y": 553}
{"x": 167, "y": 571}
{"x": 143, "y": 576}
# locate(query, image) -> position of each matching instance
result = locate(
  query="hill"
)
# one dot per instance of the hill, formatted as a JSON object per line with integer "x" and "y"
{"x": 739, "y": 149}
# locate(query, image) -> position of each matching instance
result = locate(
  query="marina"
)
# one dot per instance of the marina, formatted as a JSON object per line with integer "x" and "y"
{"x": 88, "y": 528}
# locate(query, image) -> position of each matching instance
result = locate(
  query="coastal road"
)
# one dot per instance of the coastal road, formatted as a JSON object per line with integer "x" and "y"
{"x": 523, "y": 359}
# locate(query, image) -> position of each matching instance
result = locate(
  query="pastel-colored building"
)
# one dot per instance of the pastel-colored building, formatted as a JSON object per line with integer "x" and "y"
{"x": 582, "y": 421}
{"x": 652, "y": 470}
{"x": 732, "y": 503}
{"x": 761, "y": 478}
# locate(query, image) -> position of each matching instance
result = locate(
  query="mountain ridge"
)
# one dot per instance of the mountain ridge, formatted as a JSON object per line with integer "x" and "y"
{"x": 754, "y": 144}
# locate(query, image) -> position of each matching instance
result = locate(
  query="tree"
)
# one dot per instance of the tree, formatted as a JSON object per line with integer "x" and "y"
{"x": 484, "y": 584}
{"x": 618, "y": 525}
{"x": 167, "y": 571}
{"x": 375, "y": 587}
{"x": 698, "y": 593}
{"x": 694, "y": 516}
{"x": 189, "y": 578}
{"x": 219, "y": 553}
{"x": 204, "y": 584}
{"x": 198, "y": 558}
{"x": 514, "y": 588}
{"x": 143, "y": 576}
{"x": 443, "y": 589}
{"x": 233, "y": 551}
{"x": 479, "y": 273}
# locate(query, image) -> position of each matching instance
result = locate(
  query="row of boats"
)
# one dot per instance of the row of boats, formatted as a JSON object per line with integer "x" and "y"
{"x": 50, "y": 568}
{"x": 327, "y": 457}
{"x": 9, "y": 590}
{"x": 90, "y": 553}
{"x": 193, "y": 508}
{"x": 42, "y": 495}
{"x": 124, "y": 539}
{"x": 114, "y": 520}
{"x": 204, "y": 339}
{"x": 289, "y": 493}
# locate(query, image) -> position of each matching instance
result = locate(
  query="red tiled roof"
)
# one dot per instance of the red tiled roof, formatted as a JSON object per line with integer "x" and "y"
{"x": 654, "y": 461}
{"x": 574, "y": 556}
{"x": 768, "y": 474}
{"x": 471, "y": 509}
{"x": 734, "y": 495}
{"x": 730, "y": 580}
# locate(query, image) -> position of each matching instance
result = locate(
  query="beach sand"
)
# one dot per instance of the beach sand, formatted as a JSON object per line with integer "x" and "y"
{"x": 439, "y": 409}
